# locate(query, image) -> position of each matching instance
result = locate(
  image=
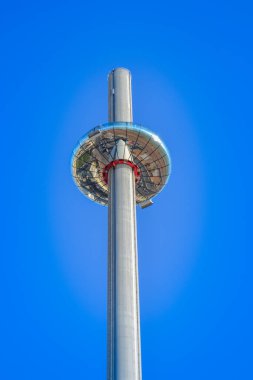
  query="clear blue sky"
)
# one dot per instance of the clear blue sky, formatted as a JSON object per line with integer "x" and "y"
{"x": 191, "y": 63}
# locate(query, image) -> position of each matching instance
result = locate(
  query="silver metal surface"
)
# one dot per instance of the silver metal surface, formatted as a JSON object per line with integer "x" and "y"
{"x": 93, "y": 154}
{"x": 121, "y": 164}
{"x": 124, "y": 359}
{"x": 120, "y": 95}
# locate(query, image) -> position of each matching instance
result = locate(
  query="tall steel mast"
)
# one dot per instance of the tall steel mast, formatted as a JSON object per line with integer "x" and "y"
{"x": 121, "y": 164}
{"x": 124, "y": 358}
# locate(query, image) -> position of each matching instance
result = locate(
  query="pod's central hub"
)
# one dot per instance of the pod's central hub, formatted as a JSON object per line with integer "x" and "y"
{"x": 114, "y": 163}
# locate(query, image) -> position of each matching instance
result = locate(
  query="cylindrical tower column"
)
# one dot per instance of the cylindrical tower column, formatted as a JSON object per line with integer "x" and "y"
{"x": 120, "y": 95}
{"x": 104, "y": 169}
{"x": 124, "y": 359}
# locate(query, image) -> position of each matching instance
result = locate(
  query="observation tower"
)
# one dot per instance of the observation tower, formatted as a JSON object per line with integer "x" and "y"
{"x": 121, "y": 164}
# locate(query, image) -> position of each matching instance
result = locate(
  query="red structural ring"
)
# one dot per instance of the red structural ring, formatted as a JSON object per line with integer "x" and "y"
{"x": 113, "y": 164}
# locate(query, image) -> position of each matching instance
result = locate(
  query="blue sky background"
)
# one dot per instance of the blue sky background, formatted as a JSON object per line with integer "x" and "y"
{"x": 191, "y": 64}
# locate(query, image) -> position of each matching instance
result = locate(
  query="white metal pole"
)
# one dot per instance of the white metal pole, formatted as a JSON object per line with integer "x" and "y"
{"x": 124, "y": 357}
{"x": 120, "y": 95}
